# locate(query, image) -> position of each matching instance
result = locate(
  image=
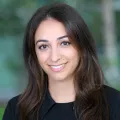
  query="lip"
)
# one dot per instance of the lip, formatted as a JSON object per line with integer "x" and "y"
{"x": 57, "y": 68}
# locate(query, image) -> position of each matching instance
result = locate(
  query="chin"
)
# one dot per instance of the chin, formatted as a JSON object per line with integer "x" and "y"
{"x": 59, "y": 78}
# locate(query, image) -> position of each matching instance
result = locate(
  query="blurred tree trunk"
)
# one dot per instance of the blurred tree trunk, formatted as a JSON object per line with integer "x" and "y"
{"x": 111, "y": 53}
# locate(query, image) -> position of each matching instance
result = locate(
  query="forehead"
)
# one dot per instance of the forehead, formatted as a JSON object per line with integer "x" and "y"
{"x": 50, "y": 29}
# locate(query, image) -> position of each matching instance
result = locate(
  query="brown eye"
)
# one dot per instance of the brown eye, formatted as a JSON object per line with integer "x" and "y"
{"x": 43, "y": 47}
{"x": 65, "y": 43}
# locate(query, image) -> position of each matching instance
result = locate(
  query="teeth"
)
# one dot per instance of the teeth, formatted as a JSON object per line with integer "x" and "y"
{"x": 57, "y": 66}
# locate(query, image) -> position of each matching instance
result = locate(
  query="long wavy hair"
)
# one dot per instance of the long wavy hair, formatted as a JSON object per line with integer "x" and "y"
{"x": 90, "y": 101}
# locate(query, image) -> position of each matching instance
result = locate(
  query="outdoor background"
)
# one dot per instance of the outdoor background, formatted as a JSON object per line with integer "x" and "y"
{"x": 101, "y": 16}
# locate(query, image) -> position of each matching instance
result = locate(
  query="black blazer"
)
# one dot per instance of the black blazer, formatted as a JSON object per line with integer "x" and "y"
{"x": 113, "y": 98}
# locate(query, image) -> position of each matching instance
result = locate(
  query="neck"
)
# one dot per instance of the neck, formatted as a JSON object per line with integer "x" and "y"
{"x": 62, "y": 91}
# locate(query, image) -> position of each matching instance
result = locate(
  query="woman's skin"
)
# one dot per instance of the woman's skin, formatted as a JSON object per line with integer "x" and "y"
{"x": 58, "y": 58}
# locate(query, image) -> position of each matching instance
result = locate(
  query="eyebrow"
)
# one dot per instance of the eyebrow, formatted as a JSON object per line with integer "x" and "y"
{"x": 59, "y": 38}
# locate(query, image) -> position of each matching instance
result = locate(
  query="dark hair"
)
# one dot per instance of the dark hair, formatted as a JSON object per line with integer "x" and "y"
{"x": 90, "y": 101}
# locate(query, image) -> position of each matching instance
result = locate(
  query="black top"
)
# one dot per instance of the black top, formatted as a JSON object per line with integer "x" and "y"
{"x": 63, "y": 111}
{"x": 51, "y": 110}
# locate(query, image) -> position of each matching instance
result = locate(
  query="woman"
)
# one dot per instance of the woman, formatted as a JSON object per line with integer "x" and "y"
{"x": 65, "y": 78}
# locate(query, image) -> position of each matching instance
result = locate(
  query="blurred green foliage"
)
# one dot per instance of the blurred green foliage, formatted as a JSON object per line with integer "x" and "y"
{"x": 14, "y": 16}
{"x": 1, "y": 112}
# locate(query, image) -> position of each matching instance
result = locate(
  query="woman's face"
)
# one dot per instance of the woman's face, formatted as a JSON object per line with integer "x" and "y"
{"x": 55, "y": 53}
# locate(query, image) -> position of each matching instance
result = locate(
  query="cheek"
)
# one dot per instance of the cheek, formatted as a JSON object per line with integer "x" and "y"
{"x": 74, "y": 58}
{"x": 72, "y": 54}
{"x": 42, "y": 57}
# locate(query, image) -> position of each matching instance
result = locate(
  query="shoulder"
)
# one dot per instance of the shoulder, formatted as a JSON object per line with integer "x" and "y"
{"x": 111, "y": 93}
{"x": 113, "y": 100}
{"x": 11, "y": 108}
{"x": 12, "y": 103}
{"x": 14, "y": 100}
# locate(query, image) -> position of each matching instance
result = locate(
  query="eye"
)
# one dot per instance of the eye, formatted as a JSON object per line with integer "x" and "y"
{"x": 43, "y": 47}
{"x": 65, "y": 43}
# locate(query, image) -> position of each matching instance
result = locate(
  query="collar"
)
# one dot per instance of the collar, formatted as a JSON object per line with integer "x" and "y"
{"x": 47, "y": 104}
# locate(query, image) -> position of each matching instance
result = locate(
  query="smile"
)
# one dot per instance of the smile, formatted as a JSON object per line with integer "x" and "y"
{"x": 57, "y": 68}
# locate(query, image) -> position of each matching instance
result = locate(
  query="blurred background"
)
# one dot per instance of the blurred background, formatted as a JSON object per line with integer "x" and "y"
{"x": 101, "y": 16}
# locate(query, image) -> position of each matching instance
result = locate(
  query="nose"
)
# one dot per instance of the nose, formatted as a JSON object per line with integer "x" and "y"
{"x": 55, "y": 55}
